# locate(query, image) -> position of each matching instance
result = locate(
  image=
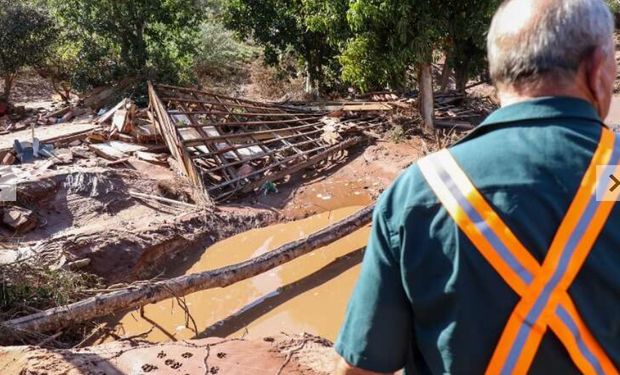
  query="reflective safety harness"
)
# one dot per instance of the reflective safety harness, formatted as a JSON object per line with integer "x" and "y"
{"x": 543, "y": 289}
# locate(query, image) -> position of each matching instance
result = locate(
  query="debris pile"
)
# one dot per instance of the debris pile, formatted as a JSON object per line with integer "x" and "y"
{"x": 224, "y": 146}
{"x": 227, "y": 146}
{"x": 21, "y": 118}
{"x": 454, "y": 110}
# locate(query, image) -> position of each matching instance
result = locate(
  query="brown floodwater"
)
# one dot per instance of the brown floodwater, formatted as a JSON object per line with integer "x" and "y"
{"x": 308, "y": 294}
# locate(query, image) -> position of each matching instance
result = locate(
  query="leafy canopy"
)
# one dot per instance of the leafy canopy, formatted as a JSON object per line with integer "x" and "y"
{"x": 152, "y": 38}
{"x": 310, "y": 29}
{"x": 25, "y": 33}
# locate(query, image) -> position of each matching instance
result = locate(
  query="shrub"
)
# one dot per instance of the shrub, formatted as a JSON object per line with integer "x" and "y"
{"x": 25, "y": 34}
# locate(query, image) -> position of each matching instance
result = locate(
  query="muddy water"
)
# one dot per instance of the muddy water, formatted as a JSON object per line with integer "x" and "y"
{"x": 331, "y": 195}
{"x": 308, "y": 294}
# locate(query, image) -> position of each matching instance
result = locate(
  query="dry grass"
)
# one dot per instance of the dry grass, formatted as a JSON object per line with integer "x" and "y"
{"x": 26, "y": 288}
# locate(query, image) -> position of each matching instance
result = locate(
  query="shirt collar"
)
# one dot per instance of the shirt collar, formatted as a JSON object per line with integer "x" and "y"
{"x": 531, "y": 111}
{"x": 552, "y": 107}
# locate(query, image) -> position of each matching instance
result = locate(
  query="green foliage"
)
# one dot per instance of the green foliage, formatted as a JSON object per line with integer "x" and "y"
{"x": 105, "y": 40}
{"x": 311, "y": 29}
{"x": 465, "y": 26}
{"x": 391, "y": 36}
{"x": 25, "y": 33}
{"x": 218, "y": 52}
{"x": 368, "y": 63}
{"x": 614, "y": 5}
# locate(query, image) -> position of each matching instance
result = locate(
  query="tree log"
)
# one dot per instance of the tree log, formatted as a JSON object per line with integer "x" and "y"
{"x": 135, "y": 296}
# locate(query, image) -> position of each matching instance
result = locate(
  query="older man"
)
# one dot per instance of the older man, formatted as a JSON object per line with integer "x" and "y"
{"x": 502, "y": 254}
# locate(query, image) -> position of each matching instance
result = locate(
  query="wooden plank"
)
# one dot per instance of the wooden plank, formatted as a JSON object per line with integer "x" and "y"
{"x": 105, "y": 150}
{"x": 127, "y": 148}
{"x": 267, "y": 153}
{"x": 326, "y": 149}
{"x": 251, "y": 114}
{"x": 246, "y": 123}
{"x": 120, "y": 119}
{"x": 46, "y": 134}
{"x": 367, "y": 107}
{"x": 152, "y": 157}
{"x": 299, "y": 166}
{"x": 213, "y": 95}
{"x": 169, "y": 133}
{"x": 109, "y": 114}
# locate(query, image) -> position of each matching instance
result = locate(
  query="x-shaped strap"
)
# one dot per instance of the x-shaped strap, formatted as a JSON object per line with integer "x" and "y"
{"x": 545, "y": 301}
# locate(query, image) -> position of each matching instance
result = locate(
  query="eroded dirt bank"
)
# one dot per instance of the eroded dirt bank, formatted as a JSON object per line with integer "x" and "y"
{"x": 89, "y": 212}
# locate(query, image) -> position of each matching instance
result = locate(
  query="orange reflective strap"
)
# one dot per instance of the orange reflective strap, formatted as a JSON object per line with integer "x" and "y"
{"x": 469, "y": 227}
{"x": 573, "y": 241}
{"x": 481, "y": 242}
{"x": 496, "y": 242}
{"x": 583, "y": 348}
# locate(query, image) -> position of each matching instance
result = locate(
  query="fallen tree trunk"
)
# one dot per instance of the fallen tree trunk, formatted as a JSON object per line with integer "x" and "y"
{"x": 136, "y": 296}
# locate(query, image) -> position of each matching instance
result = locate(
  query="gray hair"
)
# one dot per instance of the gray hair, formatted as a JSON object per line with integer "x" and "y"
{"x": 534, "y": 39}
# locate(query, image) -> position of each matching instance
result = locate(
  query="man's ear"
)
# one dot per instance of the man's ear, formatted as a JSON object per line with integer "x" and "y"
{"x": 598, "y": 80}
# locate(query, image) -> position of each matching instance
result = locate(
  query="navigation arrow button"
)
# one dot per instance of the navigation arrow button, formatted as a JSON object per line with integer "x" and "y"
{"x": 616, "y": 183}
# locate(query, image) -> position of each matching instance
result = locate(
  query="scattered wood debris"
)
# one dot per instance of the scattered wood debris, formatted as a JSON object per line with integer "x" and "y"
{"x": 454, "y": 110}
{"x": 19, "y": 219}
{"x": 227, "y": 146}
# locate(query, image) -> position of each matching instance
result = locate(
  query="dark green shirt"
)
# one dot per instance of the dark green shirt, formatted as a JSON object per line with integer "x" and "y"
{"x": 428, "y": 301}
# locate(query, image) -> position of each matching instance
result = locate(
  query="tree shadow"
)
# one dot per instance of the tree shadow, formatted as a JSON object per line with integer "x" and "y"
{"x": 264, "y": 305}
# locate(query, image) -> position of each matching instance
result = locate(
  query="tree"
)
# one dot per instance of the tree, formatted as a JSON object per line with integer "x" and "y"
{"x": 280, "y": 26}
{"x": 465, "y": 24}
{"x": 391, "y": 36}
{"x": 145, "y": 38}
{"x": 25, "y": 34}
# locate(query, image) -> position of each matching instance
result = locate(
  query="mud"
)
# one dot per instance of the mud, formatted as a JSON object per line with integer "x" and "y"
{"x": 303, "y": 355}
{"x": 369, "y": 171}
{"x": 85, "y": 211}
{"x": 308, "y": 294}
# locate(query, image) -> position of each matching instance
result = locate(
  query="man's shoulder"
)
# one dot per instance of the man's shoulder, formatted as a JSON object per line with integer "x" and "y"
{"x": 409, "y": 191}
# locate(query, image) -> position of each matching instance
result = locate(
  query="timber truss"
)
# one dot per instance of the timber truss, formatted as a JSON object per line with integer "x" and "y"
{"x": 227, "y": 146}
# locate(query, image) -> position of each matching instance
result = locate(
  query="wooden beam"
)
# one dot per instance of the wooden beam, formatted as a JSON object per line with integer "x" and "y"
{"x": 214, "y": 102}
{"x": 135, "y": 296}
{"x": 268, "y": 153}
{"x": 250, "y": 114}
{"x": 213, "y": 95}
{"x": 205, "y": 140}
{"x": 171, "y": 137}
{"x": 247, "y": 123}
{"x": 327, "y": 152}
{"x": 299, "y": 166}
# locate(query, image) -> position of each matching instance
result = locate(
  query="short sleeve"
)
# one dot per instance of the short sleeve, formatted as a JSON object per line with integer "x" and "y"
{"x": 376, "y": 334}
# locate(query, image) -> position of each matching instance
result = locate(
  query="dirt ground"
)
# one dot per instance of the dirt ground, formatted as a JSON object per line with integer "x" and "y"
{"x": 292, "y": 355}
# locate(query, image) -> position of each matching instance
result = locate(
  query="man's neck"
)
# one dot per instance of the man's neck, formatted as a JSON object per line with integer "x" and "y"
{"x": 579, "y": 89}
{"x": 508, "y": 97}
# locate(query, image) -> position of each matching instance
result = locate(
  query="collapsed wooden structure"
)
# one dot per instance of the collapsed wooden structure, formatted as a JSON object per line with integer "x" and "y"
{"x": 227, "y": 146}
